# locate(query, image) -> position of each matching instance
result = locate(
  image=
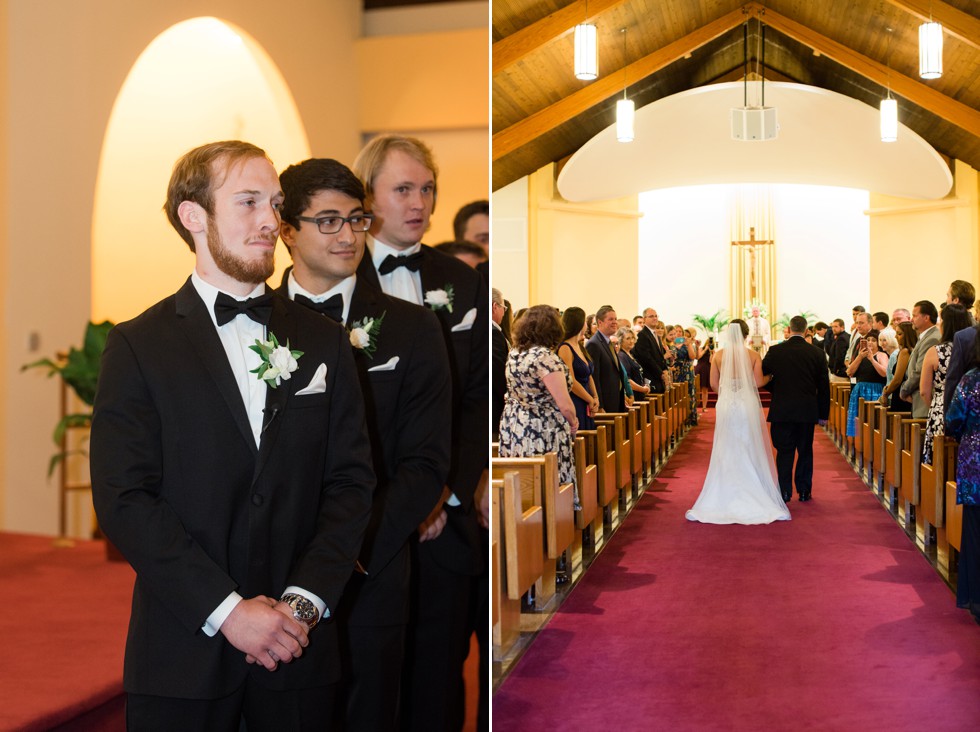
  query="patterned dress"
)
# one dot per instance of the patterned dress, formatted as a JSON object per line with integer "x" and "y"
{"x": 531, "y": 423}
{"x": 963, "y": 424}
{"x": 682, "y": 371}
{"x": 935, "y": 424}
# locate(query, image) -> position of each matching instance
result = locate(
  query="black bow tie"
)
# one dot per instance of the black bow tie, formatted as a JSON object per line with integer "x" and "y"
{"x": 332, "y": 307}
{"x": 390, "y": 263}
{"x": 259, "y": 309}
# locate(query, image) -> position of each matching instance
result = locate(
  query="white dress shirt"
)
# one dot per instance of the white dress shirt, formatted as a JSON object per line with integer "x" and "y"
{"x": 345, "y": 289}
{"x": 236, "y": 337}
{"x": 402, "y": 283}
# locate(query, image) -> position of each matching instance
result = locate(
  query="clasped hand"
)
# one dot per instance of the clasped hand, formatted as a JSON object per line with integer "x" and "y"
{"x": 266, "y": 631}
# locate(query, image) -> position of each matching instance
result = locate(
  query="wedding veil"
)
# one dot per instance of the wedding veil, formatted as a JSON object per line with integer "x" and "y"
{"x": 740, "y": 416}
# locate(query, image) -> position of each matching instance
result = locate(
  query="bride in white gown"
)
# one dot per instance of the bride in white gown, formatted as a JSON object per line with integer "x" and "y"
{"x": 741, "y": 485}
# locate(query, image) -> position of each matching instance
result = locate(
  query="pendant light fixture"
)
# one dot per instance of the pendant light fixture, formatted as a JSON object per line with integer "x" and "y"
{"x": 888, "y": 110}
{"x": 625, "y": 108}
{"x": 586, "y": 49}
{"x": 930, "y": 48}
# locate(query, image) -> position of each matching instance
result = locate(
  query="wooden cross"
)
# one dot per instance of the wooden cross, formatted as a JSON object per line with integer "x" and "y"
{"x": 752, "y": 243}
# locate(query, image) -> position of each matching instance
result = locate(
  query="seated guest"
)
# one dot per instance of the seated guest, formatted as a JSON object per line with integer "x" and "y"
{"x": 576, "y": 358}
{"x": 898, "y": 361}
{"x": 868, "y": 367}
{"x": 539, "y": 415}
{"x": 963, "y": 424}
{"x": 933, "y": 376}
{"x": 634, "y": 373}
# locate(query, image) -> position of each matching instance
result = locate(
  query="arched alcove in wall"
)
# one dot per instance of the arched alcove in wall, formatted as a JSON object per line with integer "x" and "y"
{"x": 200, "y": 80}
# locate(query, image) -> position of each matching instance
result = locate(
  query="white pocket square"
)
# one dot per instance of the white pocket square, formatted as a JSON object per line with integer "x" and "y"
{"x": 318, "y": 384}
{"x": 388, "y": 366}
{"x": 466, "y": 323}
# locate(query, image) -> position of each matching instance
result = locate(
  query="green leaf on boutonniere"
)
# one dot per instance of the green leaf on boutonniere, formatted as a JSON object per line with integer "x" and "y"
{"x": 364, "y": 334}
{"x": 278, "y": 362}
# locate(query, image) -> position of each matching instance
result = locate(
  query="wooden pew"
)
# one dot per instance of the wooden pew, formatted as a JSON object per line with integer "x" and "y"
{"x": 636, "y": 447}
{"x": 645, "y": 426}
{"x": 946, "y": 454}
{"x": 954, "y": 515}
{"x": 911, "y": 437}
{"x": 845, "y": 398}
{"x": 858, "y": 440}
{"x": 619, "y": 424}
{"x": 893, "y": 455}
{"x": 878, "y": 443}
{"x": 866, "y": 419}
{"x": 600, "y": 450}
{"x": 587, "y": 478}
{"x": 520, "y": 534}
{"x": 658, "y": 420}
{"x": 540, "y": 486}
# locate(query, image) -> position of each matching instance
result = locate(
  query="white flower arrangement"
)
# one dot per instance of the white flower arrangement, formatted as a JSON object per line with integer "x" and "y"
{"x": 364, "y": 334}
{"x": 439, "y": 299}
{"x": 278, "y": 362}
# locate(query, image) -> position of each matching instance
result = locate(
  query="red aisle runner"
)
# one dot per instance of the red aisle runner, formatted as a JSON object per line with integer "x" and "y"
{"x": 831, "y": 621}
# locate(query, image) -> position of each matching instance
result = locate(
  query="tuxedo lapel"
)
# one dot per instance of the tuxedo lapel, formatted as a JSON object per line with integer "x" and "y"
{"x": 364, "y": 302}
{"x": 197, "y": 325}
{"x": 284, "y": 328}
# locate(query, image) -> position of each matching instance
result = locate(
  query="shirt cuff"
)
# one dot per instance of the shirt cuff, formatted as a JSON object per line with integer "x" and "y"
{"x": 213, "y": 624}
{"x": 321, "y": 606}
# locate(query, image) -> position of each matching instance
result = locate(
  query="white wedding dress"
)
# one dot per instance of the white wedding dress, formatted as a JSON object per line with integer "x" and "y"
{"x": 741, "y": 485}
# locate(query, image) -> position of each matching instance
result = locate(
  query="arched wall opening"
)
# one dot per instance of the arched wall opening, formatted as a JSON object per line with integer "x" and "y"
{"x": 200, "y": 80}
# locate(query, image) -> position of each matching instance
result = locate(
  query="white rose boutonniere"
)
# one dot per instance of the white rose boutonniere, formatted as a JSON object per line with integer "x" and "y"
{"x": 278, "y": 362}
{"x": 439, "y": 299}
{"x": 364, "y": 334}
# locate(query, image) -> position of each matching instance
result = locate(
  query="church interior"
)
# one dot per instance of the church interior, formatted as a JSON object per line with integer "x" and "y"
{"x": 701, "y": 158}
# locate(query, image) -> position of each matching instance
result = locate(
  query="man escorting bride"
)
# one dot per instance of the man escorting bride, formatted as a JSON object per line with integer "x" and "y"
{"x": 741, "y": 486}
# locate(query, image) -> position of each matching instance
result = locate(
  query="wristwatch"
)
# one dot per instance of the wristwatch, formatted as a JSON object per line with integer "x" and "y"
{"x": 303, "y": 610}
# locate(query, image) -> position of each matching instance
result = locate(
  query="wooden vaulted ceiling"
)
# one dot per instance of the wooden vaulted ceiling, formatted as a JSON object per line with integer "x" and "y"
{"x": 543, "y": 114}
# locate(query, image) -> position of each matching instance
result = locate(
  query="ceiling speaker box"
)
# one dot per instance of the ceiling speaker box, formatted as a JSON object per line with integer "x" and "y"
{"x": 754, "y": 123}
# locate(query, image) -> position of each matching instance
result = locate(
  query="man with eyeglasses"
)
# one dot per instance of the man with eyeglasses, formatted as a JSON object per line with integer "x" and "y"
{"x": 399, "y": 175}
{"x": 404, "y": 373}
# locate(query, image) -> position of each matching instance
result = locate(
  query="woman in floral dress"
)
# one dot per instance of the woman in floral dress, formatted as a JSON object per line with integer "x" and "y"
{"x": 682, "y": 368}
{"x": 539, "y": 416}
{"x": 933, "y": 377}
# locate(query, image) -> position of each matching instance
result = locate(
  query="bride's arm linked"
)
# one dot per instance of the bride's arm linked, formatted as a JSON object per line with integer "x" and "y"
{"x": 760, "y": 379}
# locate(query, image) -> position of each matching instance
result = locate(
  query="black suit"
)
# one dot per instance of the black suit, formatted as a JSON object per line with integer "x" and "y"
{"x": 837, "y": 347}
{"x": 180, "y": 487}
{"x": 408, "y": 409}
{"x": 960, "y": 361}
{"x": 498, "y": 389}
{"x": 607, "y": 375}
{"x": 800, "y": 390}
{"x": 649, "y": 353}
{"x": 445, "y": 568}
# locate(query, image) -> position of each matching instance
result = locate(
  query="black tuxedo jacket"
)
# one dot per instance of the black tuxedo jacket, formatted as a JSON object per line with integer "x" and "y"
{"x": 800, "y": 386}
{"x": 650, "y": 358}
{"x": 608, "y": 378}
{"x": 180, "y": 487}
{"x": 836, "y": 347}
{"x": 409, "y": 409}
{"x": 498, "y": 389}
{"x": 459, "y": 547}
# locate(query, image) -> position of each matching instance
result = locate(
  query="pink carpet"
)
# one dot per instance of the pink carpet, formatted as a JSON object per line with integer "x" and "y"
{"x": 64, "y": 618}
{"x": 831, "y": 621}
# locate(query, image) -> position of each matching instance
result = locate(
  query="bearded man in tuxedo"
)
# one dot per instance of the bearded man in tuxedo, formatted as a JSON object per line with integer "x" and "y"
{"x": 230, "y": 465}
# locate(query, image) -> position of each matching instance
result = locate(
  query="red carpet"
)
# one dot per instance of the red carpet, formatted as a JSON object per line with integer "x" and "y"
{"x": 64, "y": 618}
{"x": 831, "y": 621}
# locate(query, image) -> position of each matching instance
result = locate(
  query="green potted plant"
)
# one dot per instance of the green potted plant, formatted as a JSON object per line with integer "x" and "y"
{"x": 79, "y": 369}
{"x": 711, "y": 323}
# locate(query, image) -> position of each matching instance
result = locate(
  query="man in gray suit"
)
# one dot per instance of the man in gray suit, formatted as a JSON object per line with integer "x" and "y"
{"x": 924, "y": 317}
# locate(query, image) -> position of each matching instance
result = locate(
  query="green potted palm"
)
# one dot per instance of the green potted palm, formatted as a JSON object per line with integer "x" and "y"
{"x": 712, "y": 323}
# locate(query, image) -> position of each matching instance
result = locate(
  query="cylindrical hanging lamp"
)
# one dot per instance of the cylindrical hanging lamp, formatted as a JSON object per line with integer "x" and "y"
{"x": 586, "y": 52}
{"x": 930, "y": 50}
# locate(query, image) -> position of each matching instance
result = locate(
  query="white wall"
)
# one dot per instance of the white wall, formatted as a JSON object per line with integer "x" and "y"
{"x": 822, "y": 251}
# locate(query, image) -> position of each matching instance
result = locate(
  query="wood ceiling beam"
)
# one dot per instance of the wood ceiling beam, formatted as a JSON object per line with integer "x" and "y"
{"x": 955, "y": 22}
{"x": 544, "y": 120}
{"x": 949, "y": 109}
{"x": 517, "y": 45}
